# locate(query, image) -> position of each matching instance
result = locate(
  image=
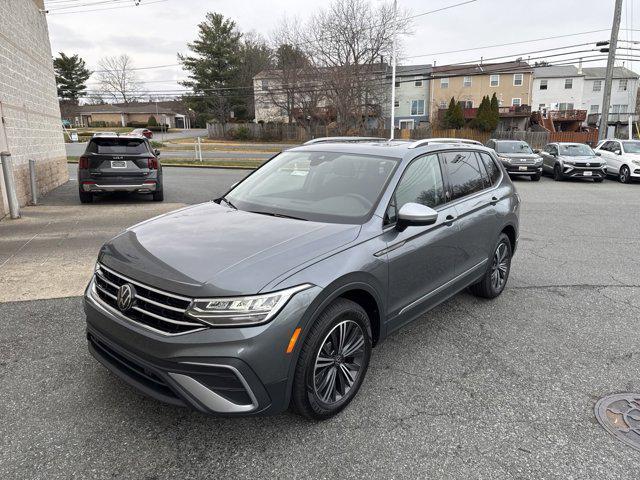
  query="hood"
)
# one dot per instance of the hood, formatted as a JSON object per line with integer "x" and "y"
{"x": 532, "y": 156}
{"x": 584, "y": 158}
{"x": 210, "y": 250}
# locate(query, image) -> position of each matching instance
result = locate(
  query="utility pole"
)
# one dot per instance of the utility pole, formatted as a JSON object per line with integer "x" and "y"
{"x": 606, "y": 101}
{"x": 393, "y": 71}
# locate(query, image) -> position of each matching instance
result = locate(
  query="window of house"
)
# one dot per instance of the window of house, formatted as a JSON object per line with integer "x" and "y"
{"x": 494, "y": 80}
{"x": 466, "y": 103}
{"x": 417, "y": 82}
{"x": 443, "y": 104}
{"x": 568, "y": 83}
{"x": 396, "y": 103}
{"x": 597, "y": 85}
{"x": 465, "y": 174}
{"x": 518, "y": 79}
{"x": 397, "y": 84}
{"x": 594, "y": 108}
{"x": 417, "y": 107}
{"x": 544, "y": 84}
{"x": 421, "y": 183}
{"x": 622, "y": 85}
{"x": 264, "y": 84}
{"x": 516, "y": 102}
{"x": 466, "y": 81}
{"x": 565, "y": 106}
{"x": 541, "y": 106}
{"x": 444, "y": 83}
{"x": 618, "y": 108}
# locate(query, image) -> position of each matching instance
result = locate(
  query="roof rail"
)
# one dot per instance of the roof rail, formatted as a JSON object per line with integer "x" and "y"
{"x": 429, "y": 141}
{"x": 344, "y": 140}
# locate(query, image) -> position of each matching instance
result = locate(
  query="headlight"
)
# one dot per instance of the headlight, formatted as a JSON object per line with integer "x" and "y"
{"x": 569, "y": 162}
{"x": 538, "y": 161}
{"x": 636, "y": 162}
{"x": 504, "y": 159}
{"x": 241, "y": 311}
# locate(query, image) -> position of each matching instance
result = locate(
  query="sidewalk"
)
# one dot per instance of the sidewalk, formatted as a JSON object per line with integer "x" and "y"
{"x": 51, "y": 250}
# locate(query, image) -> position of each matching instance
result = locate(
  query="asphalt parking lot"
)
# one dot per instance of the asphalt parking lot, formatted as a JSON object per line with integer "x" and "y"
{"x": 473, "y": 390}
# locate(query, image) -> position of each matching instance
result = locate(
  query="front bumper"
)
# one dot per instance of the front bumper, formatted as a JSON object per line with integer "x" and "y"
{"x": 145, "y": 187}
{"x": 227, "y": 371}
{"x": 571, "y": 171}
{"x": 529, "y": 169}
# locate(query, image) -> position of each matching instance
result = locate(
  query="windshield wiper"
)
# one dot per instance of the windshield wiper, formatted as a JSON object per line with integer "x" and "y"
{"x": 280, "y": 215}
{"x": 228, "y": 203}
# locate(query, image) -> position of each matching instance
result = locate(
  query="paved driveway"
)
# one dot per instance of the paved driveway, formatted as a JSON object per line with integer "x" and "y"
{"x": 473, "y": 390}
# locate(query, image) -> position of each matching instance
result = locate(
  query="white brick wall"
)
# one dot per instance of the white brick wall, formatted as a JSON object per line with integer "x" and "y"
{"x": 31, "y": 124}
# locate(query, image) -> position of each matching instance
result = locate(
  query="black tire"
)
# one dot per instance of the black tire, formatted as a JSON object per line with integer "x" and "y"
{"x": 625, "y": 175}
{"x": 85, "y": 197}
{"x": 306, "y": 399}
{"x": 487, "y": 286}
{"x": 158, "y": 196}
{"x": 536, "y": 177}
{"x": 558, "y": 176}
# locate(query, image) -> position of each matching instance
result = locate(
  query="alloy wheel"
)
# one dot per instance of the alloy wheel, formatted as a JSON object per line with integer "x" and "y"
{"x": 500, "y": 267}
{"x": 624, "y": 175}
{"x": 338, "y": 362}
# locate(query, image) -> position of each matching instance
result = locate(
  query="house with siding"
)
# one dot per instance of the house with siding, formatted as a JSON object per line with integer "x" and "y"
{"x": 412, "y": 96}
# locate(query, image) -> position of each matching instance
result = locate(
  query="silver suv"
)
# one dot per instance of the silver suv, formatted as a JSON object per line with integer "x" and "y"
{"x": 274, "y": 294}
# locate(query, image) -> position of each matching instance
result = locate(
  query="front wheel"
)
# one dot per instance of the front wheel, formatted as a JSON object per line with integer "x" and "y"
{"x": 497, "y": 274}
{"x": 333, "y": 360}
{"x": 558, "y": 176}
{"x": 625, "y": 175}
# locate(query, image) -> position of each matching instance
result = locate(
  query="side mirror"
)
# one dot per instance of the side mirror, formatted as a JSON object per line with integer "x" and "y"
{"x": 617, "y": 152}
{"x": 536, "y": 150}
{"x": 415, "y": 214}
{"x": 598, "y": 154}
{"x": 156, "y": 152}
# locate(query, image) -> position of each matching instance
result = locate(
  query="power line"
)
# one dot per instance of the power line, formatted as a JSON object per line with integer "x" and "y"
{"x": 108, "y": 8}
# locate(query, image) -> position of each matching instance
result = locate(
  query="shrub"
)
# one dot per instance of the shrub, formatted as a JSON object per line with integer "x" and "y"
{"x": 152, "y": 122}
{"x": 137, "y": 124}
{"x": 98, "y": 124}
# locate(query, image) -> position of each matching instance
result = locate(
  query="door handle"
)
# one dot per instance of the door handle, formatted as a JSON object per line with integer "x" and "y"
{"x": 494, "y": 200}
{"x": 449, "y": 219}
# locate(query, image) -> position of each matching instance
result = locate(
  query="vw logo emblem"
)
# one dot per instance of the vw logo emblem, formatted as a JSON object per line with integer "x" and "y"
{"x": 126, "y": 296}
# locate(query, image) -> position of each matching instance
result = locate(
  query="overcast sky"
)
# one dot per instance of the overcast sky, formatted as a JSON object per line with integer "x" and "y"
{"x": 152, "y": 34}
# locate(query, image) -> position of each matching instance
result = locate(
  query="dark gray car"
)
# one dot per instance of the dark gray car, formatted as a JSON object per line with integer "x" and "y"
{"x": 275, "y": 294}
{"x": 573, "y": 160}
{"x": 119, "y": 163}
{"x": 518, "y": 158}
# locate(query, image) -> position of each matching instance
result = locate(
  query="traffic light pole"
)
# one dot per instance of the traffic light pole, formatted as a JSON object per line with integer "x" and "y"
{"x": 606, "y": 101}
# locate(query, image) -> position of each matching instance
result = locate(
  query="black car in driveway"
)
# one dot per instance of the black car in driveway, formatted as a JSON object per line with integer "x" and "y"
{"x": 518, "y": 158}
{"x": 119, "y": 163}
{"x": 566, "y": 160}
{"x": 275, "y": 293}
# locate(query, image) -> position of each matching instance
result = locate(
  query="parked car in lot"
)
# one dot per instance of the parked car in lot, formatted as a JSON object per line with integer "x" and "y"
{"x": 622, "y": 158}
{"x": 145, "y": 132}
{"x": 275, "y": 293}
{"x": 517, "y": 157}
{"x": 572, "y": 160}
{"x": 119, "y": 163}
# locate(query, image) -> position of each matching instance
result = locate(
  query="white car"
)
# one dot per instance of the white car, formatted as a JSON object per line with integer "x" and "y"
{"x": 622, "y": 157}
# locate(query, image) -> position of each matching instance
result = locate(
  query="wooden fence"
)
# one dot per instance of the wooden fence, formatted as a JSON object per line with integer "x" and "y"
{"x": 283, "y": 132}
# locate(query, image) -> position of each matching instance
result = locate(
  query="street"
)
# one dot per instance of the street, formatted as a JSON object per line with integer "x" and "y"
{"x": 475, "y": 389}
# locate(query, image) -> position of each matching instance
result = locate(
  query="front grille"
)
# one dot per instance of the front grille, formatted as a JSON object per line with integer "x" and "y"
{"x": 153, "y": 308}
{"x": 589, "y": 165}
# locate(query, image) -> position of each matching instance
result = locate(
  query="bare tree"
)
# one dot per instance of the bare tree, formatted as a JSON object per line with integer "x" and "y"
{"x": 118, "y": 79}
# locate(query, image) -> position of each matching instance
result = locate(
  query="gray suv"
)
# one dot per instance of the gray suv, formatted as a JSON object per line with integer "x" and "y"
{"x": 566, "y": 160}
{"x": 518, "y": 158}
{"x": 274, "y": 294}
{"x": 119, "y": 163}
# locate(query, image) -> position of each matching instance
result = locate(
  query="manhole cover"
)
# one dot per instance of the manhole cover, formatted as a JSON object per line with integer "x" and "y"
{"x": 620, "y": 416}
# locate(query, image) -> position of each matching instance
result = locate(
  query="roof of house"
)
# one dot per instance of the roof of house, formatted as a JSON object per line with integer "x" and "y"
{"x": 481, "y": 69}
{"x": 595, "y": 73}
{"x": 554, "y": 71}
{"x": 275, "y": 73}
{"x": 409, "y": 70}
{"x": 149, "y": 108}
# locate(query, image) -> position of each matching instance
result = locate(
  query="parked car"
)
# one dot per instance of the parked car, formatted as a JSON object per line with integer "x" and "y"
{"x": 276, "y": 292}
{"x": 145, "y": 132}
{"x": 622, "y": 158}
{"x": 119, "y": 163}
{"x": 105, "y": 134}
{"x": 517, "y": 157}
{"x": 572, "y": 160}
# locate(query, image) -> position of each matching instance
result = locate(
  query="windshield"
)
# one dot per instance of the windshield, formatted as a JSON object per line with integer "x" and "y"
{"x": 576, "y": 150}
{"x": 631, "y": 147}
{"x": 126, "y": 146}
{"x": 513, "y": 147}
{"x": 318, "y": 186}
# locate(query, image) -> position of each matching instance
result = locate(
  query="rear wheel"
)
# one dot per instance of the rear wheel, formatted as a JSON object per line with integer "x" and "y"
{"x": 85, "y": 197}
{"x": 497, "y": 274}
{"x": 158, "y": 196}
{"x": 625, "y": 175}
{"x": 558, "y": 176}
{"x": 333, "y": 360}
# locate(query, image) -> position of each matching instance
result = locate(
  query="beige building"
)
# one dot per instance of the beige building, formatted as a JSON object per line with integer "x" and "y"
{"x": 133, "y": 114}
{"x": 510, "y": 81}
{"x": 30, "y": 126}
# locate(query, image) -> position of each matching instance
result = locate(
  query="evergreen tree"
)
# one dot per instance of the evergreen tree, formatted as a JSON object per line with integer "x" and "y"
{"x": 457, "y": 118}
{"x": 495, "y": 111}
{"x": 483, "y": 120}
{"x": 449, "y": 114}
{"x": 71, "y": 77}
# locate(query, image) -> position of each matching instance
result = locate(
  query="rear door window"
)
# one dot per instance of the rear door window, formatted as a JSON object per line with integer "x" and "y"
{"x": 493, "y": 171}
{"x": 465, "y": 174}
{"x": 117, "y": 146}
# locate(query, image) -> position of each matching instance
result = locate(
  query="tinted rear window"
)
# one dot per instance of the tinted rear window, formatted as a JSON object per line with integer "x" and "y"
{"x": 465, "y": 175}
{"x": 117, "y": 146}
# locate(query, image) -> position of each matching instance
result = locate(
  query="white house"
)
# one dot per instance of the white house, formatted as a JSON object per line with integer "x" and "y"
{"x": 623, "y": 94}
{"x": 412, "y": 95}
{"x": 557, "y": 88}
